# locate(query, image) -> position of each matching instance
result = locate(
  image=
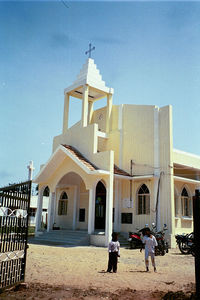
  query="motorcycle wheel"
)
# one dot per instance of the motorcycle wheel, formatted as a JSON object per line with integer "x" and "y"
{"x": 163, "y": 252}
{"x": 167, "y": 248}
{"x": 133, "y": 245}
{"x": 192, "y": 251}
{"x": 157, "y": 252}
{"x": 183, "y": 248}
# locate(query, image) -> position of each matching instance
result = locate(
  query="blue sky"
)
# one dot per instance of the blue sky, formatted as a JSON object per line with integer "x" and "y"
{"x": 149, "y": 52}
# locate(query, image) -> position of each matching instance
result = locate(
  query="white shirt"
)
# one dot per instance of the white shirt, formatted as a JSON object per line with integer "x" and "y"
{"x": 114, "y": 247}
{"x": 150, "y": 243}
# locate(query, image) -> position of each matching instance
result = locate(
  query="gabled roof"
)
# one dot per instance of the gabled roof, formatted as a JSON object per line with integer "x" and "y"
{"x": 60, "y": 154}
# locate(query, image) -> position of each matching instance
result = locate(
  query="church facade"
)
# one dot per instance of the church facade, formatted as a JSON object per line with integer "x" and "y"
{"x": 116, "y": 169}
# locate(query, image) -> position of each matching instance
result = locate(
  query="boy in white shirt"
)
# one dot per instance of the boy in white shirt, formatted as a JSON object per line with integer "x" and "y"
{"x": 114, "y": 253}
{"x": 150, "y": 243}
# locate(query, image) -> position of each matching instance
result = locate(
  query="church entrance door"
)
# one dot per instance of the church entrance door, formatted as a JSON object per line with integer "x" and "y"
{"x": 100, "y": 206}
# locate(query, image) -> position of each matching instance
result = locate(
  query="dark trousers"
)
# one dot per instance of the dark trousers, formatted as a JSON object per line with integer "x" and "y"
{"x": 112, "y": 262}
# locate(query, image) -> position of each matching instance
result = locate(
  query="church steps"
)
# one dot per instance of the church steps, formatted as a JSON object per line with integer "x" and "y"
{"x": 62, "y": 237}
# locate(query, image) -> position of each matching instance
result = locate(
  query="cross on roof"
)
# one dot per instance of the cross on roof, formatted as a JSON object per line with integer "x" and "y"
{"x": 90, "y": 50}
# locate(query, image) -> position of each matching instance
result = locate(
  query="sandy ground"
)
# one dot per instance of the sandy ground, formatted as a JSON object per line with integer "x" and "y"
{"x": 79, "y": 273}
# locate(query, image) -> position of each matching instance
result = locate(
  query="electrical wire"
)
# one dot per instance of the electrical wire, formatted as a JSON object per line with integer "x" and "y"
{"x": 64, "y": 4}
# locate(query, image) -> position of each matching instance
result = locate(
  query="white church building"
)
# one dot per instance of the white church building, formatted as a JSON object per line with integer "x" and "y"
{"x": 116, "y": 169}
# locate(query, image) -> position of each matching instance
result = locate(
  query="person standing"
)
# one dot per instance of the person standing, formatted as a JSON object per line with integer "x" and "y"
{"x": 114, "y": 253}
{"x": 150, "y": 243}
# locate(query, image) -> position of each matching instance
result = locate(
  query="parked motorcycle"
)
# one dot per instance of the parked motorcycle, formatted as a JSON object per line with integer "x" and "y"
{"x": 185, "y": 243}
{"x": 135, "y": 238}
{"x": 163, "y": 246}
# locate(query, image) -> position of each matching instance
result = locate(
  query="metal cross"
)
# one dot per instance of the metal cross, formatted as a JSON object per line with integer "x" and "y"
{"x": 90, "y": 50}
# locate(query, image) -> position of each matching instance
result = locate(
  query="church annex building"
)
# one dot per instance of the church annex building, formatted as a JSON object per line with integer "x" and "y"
{"x": 116, "y": 169}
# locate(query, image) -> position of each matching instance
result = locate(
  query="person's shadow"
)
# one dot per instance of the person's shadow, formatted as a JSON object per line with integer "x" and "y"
{"x": 138, "y": 271}
{"x": 103, "y": 272}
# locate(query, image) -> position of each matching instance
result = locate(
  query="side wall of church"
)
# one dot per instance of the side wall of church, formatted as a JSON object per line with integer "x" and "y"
{"x": 138, "y": 220}
{"x": 137, "y": 139}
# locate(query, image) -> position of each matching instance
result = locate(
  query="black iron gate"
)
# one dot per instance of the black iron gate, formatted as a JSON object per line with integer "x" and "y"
{"x": 14, "y": 208}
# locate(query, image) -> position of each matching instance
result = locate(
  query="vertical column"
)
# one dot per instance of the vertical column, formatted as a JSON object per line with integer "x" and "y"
{"x": 108, "y": 112}
{"x": 157, "y": 168}
{"x": 66, "y": 113}
{"x": 50, "y": 211}
{"x": 90, "y": 111}
{"x": 91, "y": 211}
{"x": 157, "y": 200}
{"x": 109, "y": 208}
{"x": 196, "y": 216}
{"x": 74, "y": 210}
{"x": 116, "y": 219}
{"x": 39, "y": 211}
{"x": 85, "y": 105}
{"x": 120, "y": 203}
{"x": 77, "y": 203}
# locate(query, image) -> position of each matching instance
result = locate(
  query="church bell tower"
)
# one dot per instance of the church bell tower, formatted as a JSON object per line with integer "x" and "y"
{"x": 88, "y": 87}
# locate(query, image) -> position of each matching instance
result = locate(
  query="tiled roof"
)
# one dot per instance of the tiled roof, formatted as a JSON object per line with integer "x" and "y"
{"x": 80, "y": 157}
{"x": 89, "y": 165}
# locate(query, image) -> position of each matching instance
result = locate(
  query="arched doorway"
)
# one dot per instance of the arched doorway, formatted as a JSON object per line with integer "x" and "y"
{"x": 71, "y": 205}
{"x": 100, "y": 206}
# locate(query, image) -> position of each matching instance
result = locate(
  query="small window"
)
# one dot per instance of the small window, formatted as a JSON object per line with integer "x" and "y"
{"x": 143, "y": 201}
{"x": 82, "y": 215}
{"x": 126, "y": 218}
{"x": 186, "y": 203}
{"x": 62, "y": 204}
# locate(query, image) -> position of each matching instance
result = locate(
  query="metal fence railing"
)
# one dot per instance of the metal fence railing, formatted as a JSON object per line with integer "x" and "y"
{"x": 14, "y": 208}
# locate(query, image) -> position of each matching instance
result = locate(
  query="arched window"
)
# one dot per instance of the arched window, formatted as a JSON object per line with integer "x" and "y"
{"x": 186, "y": 203}
{"x": 62, "y": 204}
{"x": 143, "y": 200}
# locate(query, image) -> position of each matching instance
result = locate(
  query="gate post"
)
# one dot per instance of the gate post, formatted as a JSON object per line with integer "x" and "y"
{"x": 196, "y": 217}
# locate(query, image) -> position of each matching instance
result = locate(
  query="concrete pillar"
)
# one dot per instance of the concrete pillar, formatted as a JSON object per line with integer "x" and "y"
{"x": 91, "y": 210}
{"x": 66, "y": 113}
{"x": 157, "y": 201}
{"x": 109, "y": 209}
{"x": 39, "y": 211}
{"x": 116, "y": 218}
{"x": 90, "y": 111}
{"x": 74, "y": 210}
{"x": 108, "y": 112}
{"x": 50, "y": 211}
{"x": 85, "y": 105}
{"x": 120, "y": 203}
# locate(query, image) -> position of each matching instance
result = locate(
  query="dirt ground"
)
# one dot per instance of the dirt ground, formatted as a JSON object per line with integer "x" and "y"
{"x": 80, "y": 273}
